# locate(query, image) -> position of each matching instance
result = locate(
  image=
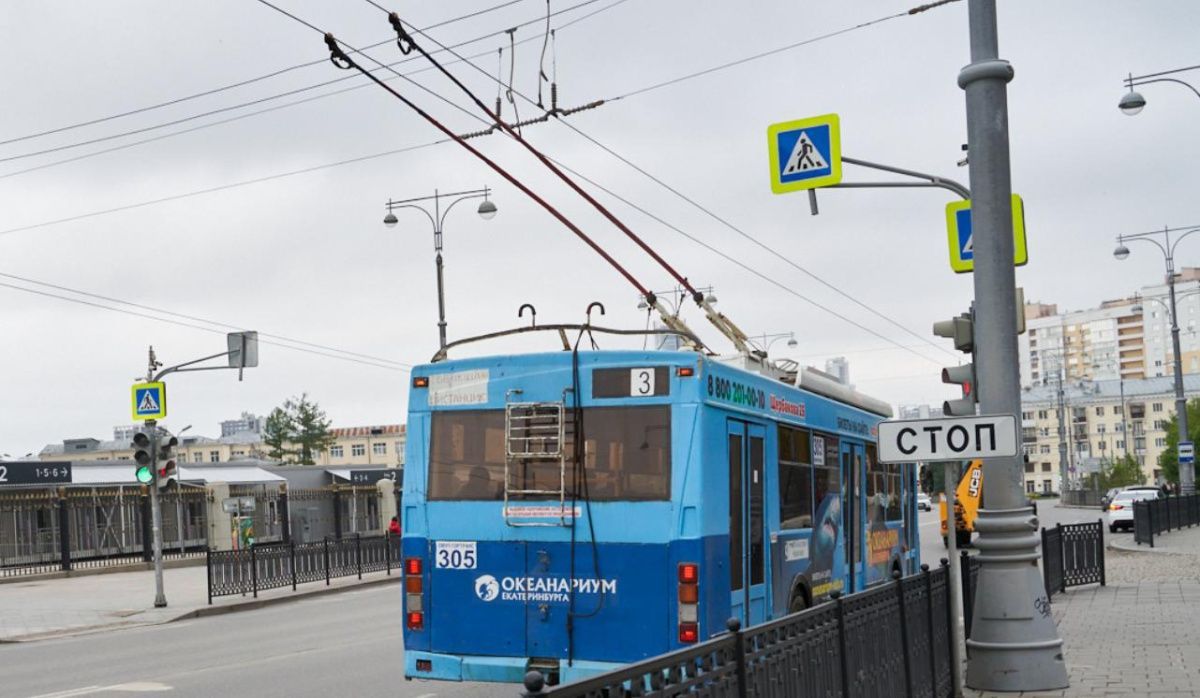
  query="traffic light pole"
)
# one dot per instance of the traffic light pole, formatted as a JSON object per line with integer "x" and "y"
{"x": 160, "y": 597}
{"x": 1014, "y": 644}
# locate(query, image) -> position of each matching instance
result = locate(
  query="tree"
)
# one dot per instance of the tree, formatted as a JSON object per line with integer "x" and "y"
{"x": 1122, "y": 472}
{"x": 1168, "y": 460}
{"x": 277, "y": 432}
{"x": 297, "y": 431}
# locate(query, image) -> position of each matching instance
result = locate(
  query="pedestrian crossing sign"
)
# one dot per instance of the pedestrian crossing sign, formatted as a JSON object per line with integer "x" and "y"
{"x": 962, "y": 241}
{"x": 805, "y": 154}
{"x": 149, "y": 401}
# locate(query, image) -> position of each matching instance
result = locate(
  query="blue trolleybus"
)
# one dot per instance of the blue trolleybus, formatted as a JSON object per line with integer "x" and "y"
{"x": 574, "y": 511}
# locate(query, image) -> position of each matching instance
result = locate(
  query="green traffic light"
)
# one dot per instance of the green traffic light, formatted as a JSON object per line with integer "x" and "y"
{"x": 145, "y": 475}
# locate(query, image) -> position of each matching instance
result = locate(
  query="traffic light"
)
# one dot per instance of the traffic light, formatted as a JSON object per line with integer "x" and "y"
{"x": 141, "y": 456}
{"x": 962, "y": 330}
{"x": 167, "y": 467}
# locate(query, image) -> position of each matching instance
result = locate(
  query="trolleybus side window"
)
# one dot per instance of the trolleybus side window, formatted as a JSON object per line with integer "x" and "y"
{"x": 735, "y": 512}
{"x": 627, "y": 455}
{"x": 895, "y": 510}
{"x": 877, "y": 487}
{"x": 795, "y": 479}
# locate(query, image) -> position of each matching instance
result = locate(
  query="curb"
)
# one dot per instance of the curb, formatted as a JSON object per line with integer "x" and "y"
{"x": 253, "y": 604}
{"x": 1132, "y": 547}
{"x": 201, "y": 612}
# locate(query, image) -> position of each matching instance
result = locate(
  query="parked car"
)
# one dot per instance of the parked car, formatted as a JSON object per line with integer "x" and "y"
{"x": 924, "y": 503}
{"x": 1120, "y": 510}
{"x": 1108, "y": 497}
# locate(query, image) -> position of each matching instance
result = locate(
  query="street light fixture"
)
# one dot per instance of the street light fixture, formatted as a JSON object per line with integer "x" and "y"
{"x": 1133, "y": 102}
{"x": 1187, "y": 474}
{"x": 764, "y": 341}
{"x": 487, "y": 211}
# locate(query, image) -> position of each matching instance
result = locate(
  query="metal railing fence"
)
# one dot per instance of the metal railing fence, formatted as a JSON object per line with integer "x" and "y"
{"x": 1153, "y": 517}
{"x": 275, "y": 565}
{"x": 859, "y": 645}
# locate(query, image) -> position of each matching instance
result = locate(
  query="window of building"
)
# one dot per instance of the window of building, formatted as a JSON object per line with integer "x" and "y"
{"x": 239, "y": 454}
{"x": 1118, "y": 410}
{"x": 1029, "y": 485}
{"x": 1160, "y": 442}
{"x": 1100, "y": 428}
{"x": 214, "y": 456}
{"x": 197, "y": 457}
{"x": 358, "y": 449}
{"x": 1029, "y": 467}
{"x": 1139, "y": 443}
{"x": 1156, "y": 407}
{"x": 1120, "y": 443}
{"x": 379, "y": 449}
{"x": 1027, "y": 415}
{"x": 1044, "y": 432}
{"x": 1100, "y": 411}
{"x": 1044, "y": 448}
{"x": 1100, "y": 445}
{"x": 1046, "y": 486}
{"x": 1043, "y": 414}
{"x": 336, "y": 451}
{"x": 1045, "y": 467}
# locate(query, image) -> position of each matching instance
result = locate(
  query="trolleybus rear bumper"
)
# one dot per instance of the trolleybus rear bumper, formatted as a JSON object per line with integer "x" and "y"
{"x": 451, "y": 667}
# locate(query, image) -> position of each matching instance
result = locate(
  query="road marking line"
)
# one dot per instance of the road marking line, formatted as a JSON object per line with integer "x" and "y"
{"x": 133, "y": 687}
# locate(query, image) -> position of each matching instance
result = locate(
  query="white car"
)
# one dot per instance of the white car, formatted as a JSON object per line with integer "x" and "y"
{"x": 924, "y": 503}
{"x": 1120, "y": 509}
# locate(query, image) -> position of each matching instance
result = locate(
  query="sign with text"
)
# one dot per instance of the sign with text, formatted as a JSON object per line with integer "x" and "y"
{"x": 370, "y": 477}
{"x": 1187, "y": 453}
{"x": 34, "y": 473}
{"x": 948, "y": 438}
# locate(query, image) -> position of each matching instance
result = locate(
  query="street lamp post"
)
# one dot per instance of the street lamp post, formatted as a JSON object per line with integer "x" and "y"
{"x": 1133, "y": 102}
{"x": 1187, "y": 474}
{"x": 486, "y": 211}
{"x": 763, "y": 342}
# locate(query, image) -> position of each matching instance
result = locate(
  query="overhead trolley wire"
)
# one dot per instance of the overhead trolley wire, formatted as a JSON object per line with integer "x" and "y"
{"x": 288, "y": 93}
{"x": 202, "y": 328}
{"x": 250, "y": 81}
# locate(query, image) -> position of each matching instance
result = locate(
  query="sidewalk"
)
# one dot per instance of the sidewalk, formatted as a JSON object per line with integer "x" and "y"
{"x": 40, "y": 609}
{"x": 1140, "y": 635}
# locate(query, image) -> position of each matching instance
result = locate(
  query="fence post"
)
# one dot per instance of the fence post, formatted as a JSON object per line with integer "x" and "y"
{"x": 358, "y": 553}
{"x": 841, "y": 622}
{"x": 64, "y": 530}
{"x": 388, "y": 552}
{"x": 968, "y": 592}
{"x": 739, "y": 654}
{"x": 1100, "y": 547}
{"x": 326, "y": 561}
{"x": 208, "y": 567}
{"x": 929, "y": 623}
{"x": 292, "y": 550}
{"x": 908, "y": 688}
{"x": 1149, "y": 517}
{"x": 1062, "y": 561}
{"x": 254, "y": 570}
{"x": 1045, "y": 565}
{"x": 285, "y": 517}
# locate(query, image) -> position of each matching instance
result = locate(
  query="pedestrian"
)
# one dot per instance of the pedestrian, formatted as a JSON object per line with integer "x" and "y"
{"x": 394, "y": 527}
{"x": 1166, "y": 489}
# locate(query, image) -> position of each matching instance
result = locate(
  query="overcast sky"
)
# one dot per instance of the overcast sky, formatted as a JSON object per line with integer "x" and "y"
{"x": 306, "y": 257}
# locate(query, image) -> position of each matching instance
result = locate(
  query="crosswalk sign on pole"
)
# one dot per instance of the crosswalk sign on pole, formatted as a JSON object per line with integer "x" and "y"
{"x": 961, "y": 236}
{"x": 149, "y": 401}
{"x": 805, "y": 154}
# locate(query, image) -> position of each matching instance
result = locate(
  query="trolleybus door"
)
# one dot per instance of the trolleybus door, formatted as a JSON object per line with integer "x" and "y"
{"x": 747, "y": 522}
{"x": 853, "y": 513}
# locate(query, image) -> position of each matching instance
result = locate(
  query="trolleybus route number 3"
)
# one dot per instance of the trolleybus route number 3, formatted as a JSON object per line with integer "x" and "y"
{"x": 950, "y": 438}
{"x": 455, "y": 555}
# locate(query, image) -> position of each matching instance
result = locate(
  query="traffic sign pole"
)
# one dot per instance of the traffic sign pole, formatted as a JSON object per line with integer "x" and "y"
{"x": 1014, "y": 644}
{"x": 160, "y": 597}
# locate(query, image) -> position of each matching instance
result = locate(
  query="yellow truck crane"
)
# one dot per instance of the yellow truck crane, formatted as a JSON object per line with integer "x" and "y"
{"x": 966, "y": 505}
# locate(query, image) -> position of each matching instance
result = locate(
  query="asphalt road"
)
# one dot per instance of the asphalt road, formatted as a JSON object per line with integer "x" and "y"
{"x": 337, "y": 645}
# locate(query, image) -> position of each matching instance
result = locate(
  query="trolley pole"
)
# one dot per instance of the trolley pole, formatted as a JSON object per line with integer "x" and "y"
{"x": 1014, "y": 644}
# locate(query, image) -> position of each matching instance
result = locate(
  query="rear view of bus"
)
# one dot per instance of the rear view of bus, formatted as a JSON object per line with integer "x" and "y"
{"x": 513, "y": 558}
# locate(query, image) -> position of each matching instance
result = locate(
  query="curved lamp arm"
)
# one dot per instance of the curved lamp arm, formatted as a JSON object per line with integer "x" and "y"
{"x": 1134, "y": 83}
{"x": 1181, "y": 237}
{"x": 441, "y": 223}
{"x": 392, "y": 207}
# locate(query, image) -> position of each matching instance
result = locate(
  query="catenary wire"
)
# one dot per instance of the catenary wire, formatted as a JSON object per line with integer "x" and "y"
{"x": 241, "y": 83}
{"x": 124, "y": 146}
{"x": 288, "y": 93}
{"x": 691, "y": 201}
{"x": 185, "y": 316}
{"x": 196, "y": 327}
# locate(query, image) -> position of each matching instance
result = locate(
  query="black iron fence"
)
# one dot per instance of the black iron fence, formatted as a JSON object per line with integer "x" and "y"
{"x": 1152, "y": 517}
{"x": 864, "y": 644}
{"x": 274, "y": 565}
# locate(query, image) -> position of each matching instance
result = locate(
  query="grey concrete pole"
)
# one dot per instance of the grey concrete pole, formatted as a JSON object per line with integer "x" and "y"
{"x": 1014, "y": 644}
{"x": 160, "y": 597}
{"x": 1187, "y": 473}
{"x": 1062, "y": 434}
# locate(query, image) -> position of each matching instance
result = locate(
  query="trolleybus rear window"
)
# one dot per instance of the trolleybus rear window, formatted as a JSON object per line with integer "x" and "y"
{"x": 627, "y": 456}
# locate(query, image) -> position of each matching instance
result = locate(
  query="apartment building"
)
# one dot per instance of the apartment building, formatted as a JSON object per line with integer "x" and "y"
{"x": 1100, "y": 420}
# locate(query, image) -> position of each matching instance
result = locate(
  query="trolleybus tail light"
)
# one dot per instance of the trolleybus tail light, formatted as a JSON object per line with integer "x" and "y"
{"x": 416, "y": 620}
{"x": 689, "y": 599}
{"x": 420, "y": 381}
{"x": 424, "y": 665}
{"x": 688, "y": 632}
{"x": 412, "y": 566}
{"x": 685, "y": 371}
{"x": 414, "y": 600}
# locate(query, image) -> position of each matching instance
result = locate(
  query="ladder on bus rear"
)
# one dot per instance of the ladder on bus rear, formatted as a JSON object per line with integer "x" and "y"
{"x": 535, "y": 433}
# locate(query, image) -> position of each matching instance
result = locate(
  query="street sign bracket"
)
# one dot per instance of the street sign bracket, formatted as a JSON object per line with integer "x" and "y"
{"x": 930, "y": 181}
